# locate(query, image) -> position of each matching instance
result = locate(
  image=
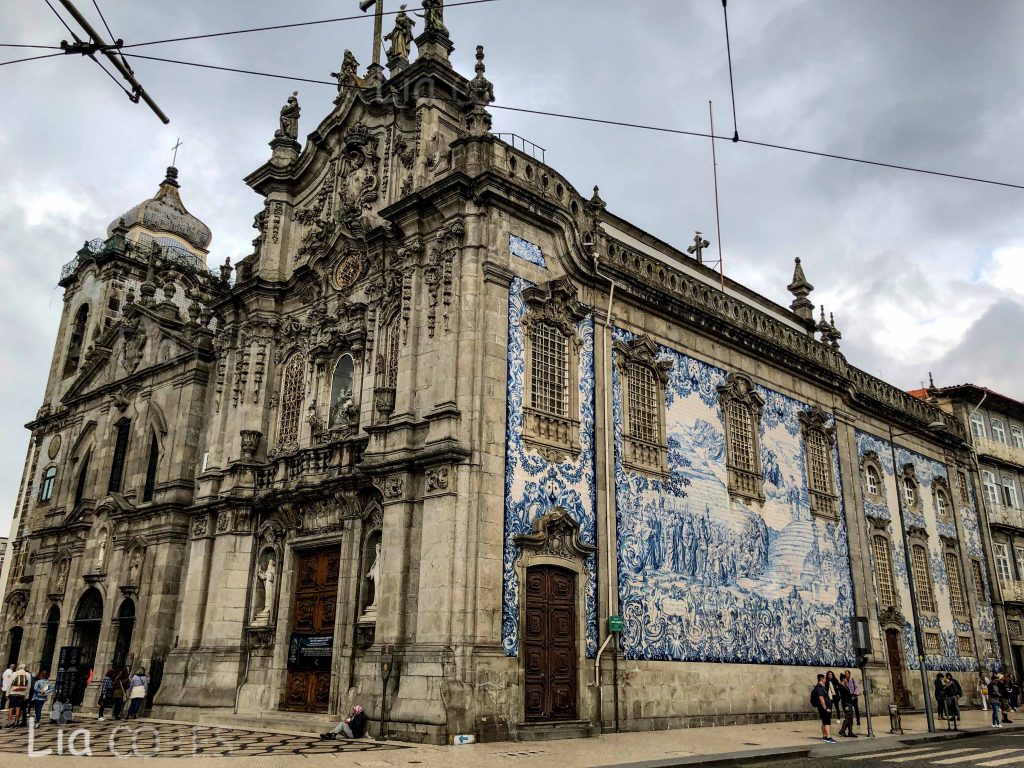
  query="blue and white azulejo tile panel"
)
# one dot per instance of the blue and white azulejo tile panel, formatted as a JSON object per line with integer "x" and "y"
{"x": 535, "y": 486}
{"x": 526, "y": 251}
{"x": 706, "y": 577}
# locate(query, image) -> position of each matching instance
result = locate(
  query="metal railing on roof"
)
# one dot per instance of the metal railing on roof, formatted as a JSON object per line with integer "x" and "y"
{"x": 140, "y": 253}
{"x": 523, "y": 145}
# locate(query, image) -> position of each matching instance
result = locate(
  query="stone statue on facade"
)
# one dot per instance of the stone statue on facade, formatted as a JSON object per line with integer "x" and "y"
{"x": 135, "y": 568}
{"x": 101, "y": 552}
{"x": 374, "y": 577}
{"x": 60, "y": 582}
{"x": 290, "y": 118}
{"x": 401, "y": 36}
{"x": 266, "y": 576}
{"x": 433, "y": 16}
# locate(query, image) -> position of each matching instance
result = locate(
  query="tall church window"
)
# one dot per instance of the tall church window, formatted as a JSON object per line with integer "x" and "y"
{"x": 643, "y": 377}
{"x": 293, "y": 392}
{"x": 742, "y": 405}
{"x": 883, "y": 571}
{"x": 342, "y": 396}
{"x": 151, "y": 465}
{"x": 387, "y": 360}
{"x": 922, "y": 578}
{"x": 77, "y": 340}
{"x": 120, "y": 455}
{"x": 549, "y": 370}
{"x": 957, "y": 598}
{"x": 83, "y": 475}
{"x": 979, "y": 580}
{"x": 998, "y": 432}
{"x": 909, "y": 493}
{"x": 817, "y": 435}
{"x": 643, "y": 403}
{"x": 46, "y": 488}
{"x": 977, "y": 425}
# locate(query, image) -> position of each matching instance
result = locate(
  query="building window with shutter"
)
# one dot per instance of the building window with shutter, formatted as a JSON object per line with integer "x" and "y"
{"x": 643, "y": 377}
{"x": 741, "y": 409}
{"x": 957, "y": 598}
{"x": 979, "y": 581}
{"x": 922, "y": 578}
{"x": 819, "y": 437}
{"x": 883, "y": 571}
{"x": 293, "y": 392}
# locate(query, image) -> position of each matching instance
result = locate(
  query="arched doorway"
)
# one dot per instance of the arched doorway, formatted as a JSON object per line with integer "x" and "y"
{"x": 50, "y": 639}
{"x": 88, "y": 622}
{"x": 14, "y": 645}
{"x": 125, "y": 629}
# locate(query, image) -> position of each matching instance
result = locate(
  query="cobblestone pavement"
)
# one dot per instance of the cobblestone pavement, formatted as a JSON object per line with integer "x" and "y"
{"x": 141, "y": 738}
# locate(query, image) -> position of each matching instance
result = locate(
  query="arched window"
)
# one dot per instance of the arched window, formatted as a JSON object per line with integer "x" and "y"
{"x": 922, "y": 578}
{"x": 125, "y": 630}
{"x": 78, "y": 328}
{"x": 957, "y": 598}
{"x": 741, "y": 406}
{"x": 909, "y": 493}
{"x": 293, "y": 392}
{"x": 342, "y": 394}
{"x": 83, "y": 475}
{"x": 998, "y": 433}
{"x": 883, "y": 571}
{"x": 46, "y": 489}
{"x": 124, "y": 428}
{"x": 151, "y": 465}
{"x": 872, "y": 480}
{"x": 1009, "y": 491}
{"x": 941, "y": 503}
{"x": 988, "y": 483}
{"x": 387, "y": 359}
{"x": 1018, "y": 436}
{"x": 50, "y": 639}
{"x": 549, "y": 369}
{"x": 977, "y": 425}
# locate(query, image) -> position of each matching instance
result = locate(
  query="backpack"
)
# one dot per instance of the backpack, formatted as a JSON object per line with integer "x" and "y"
{"x": 814, "y": 697}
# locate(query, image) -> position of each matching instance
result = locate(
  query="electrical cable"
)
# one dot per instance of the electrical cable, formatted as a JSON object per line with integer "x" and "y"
{"x": 31, "y": 58}
{"x": 77, "y": 39}
{"x": 61, "y": 19}
{"x": 732, "y": 88}
{"x": 617, "y": 123}
{"x": 103, "y": 19}
{"x": 447, "y": 6}
{"x": 22, "y": 45}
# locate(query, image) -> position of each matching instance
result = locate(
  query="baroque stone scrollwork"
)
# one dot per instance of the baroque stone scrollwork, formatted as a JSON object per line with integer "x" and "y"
{"x": 250, "y": 442}
{"x": 891, "y": 617}
{"x": 199, "y": 526}
{"x": 555, "y": 534}
{"x": 393, "y": 487}
{"x": 436, "y": 479}
{"x": 438, "y": 275}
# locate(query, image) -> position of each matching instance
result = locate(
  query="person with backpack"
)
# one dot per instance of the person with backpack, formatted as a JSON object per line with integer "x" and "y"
{"x": 21, "y": 686}
{"x": 107, "y": 692}
{"x": 823, "y": 706}
{"x": 140, "y": 684}
{"x": 41, "y": 690}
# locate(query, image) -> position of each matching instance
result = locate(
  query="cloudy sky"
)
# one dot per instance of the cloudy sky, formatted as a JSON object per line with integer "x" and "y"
{"x": 922, "y": 273}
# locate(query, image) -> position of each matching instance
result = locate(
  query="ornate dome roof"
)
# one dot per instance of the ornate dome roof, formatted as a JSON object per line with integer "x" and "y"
{"x": 165, "y": 212}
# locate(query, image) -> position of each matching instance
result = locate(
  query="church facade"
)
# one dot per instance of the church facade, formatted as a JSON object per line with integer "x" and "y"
{"x": 460, "y": 445}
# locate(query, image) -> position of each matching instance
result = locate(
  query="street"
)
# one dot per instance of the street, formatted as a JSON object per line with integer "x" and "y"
{"x": 990, "y": 751}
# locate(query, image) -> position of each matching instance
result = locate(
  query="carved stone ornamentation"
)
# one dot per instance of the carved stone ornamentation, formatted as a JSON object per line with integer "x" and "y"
{"x": 891, "y": 617}
{"x": 437, "y": 479}
{"x": 556, "y": 534}
{"x": 438, "y": 275}
{"x": 393, "y": 487}
{"x": 223, "y": 521}
{"x": 250, "y": 442}
{"x": 261, "y": 637}
{"x": 17, "y": 605}
{"x": 384, "y": 401}
{"x": 199, "y": 526}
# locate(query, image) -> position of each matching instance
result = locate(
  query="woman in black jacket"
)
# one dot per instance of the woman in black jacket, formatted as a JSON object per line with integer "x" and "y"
{"x": 352, "y": 727}
{"x": 940, "y": 698}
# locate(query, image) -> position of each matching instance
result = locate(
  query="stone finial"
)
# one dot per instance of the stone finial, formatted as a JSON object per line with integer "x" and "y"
{"x": 802, "y": 306}
{"x": 822, "y": 326}
{"x": 172, "y": 176}
{"x": 225, "y": 271}
{"x": 481, "y": 93}
{"x": 833, "y": 335}
{"x": 595, "y": 199}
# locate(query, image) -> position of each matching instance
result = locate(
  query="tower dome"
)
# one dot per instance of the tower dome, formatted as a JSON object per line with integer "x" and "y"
{"x": 165, "y": 214}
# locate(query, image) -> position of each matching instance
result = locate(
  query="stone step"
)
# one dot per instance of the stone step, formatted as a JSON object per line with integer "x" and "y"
{"x": 556, "y": 729}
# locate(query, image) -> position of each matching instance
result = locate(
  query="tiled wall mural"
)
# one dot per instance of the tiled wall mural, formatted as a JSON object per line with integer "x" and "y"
{"x": 984, "y": 616}
{"x": 926, "y": 472}
{"x": 703, "y": 577}
{"x": 526, "y": 251}
{"x": 534, "y": 486}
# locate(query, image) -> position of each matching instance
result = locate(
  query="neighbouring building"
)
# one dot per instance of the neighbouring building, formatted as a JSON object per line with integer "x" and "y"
{"x": 455, "y": 420}
{"x": 995, "y": 424}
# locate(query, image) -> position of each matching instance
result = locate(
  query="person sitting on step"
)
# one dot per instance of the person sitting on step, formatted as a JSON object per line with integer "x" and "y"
{"x": 352, "y": 727}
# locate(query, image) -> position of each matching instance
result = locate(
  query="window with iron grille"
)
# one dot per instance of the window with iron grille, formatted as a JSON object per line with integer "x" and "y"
{"x": 961, "y": 482}
{"x": 965, "y": 645}
{"x": 979, "y": 580}
{"x": 922, "y": 578}
{"x": 932, "y": 643}
{"x": 957, "y": 599}
{"x": 549, "y": 369}
{"x": 741, "y": 437}
{"x": 643, "y": 403}
{"x": 819, "y": 462}
{"x": 120, "y": 455}
{"x": 390, "y": 370}
{"x": 293, "y": 392}
{"x": 883, "y": 572}
{"x": 990, "y": 648}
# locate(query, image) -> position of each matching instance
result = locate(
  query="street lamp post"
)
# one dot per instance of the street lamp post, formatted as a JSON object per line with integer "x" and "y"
{"x": 935, "y": 426}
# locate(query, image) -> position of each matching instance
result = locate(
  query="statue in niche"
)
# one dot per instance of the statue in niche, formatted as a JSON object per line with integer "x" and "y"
{"x": 135, "y": 568}
{"x": 61, "y": 580}
{"x": 101, "y": 552}
{"x": 374, "y": 576}
{"x": 401, "y": 36}
{"x": 263, "y": 601}
{"x": 290, "y": 118}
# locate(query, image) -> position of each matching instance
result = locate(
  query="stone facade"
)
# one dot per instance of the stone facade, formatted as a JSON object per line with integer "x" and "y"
{"x": 454, "y": 415}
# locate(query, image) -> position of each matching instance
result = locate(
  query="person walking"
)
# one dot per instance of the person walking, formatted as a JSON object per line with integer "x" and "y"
{"x": 995, "y": 688}
{"x": 41, "y": 690}
{"x": 140, "y": 684}
{"x": 107, "y": 692}
{"x": 940, "y": 702}
{"x": 1004, "y": 698}
{"x": 846, "y": 700}
{"x": 983, "y": 682}
{"x": 122, "y": 683}
{"x": 352, "y": 727}
{"x": 6, "y": 687}
{"x": 21, "y": 685}
{"x": 823, "y": 706}
{"x": 855, "y": 693}
{"x": 1013, "y": 688}
{"x": 832, "y": 686}
{"x": 951, "y": 692}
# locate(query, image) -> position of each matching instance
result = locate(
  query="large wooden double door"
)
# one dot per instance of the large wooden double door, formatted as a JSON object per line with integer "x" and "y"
{"x": 310, "y": 651}
{"x": 894, "y": 654}
{"x": 549, "y": 644}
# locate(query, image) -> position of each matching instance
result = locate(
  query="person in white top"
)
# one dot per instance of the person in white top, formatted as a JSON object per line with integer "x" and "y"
{"x": 8, "y": 674}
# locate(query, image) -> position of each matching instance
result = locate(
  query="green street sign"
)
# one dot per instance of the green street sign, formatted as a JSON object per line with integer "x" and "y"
{"x": 614, "y": 623}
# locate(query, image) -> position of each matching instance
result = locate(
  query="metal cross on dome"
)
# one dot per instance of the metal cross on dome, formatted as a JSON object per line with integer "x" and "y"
{"x": 174, "y": 159}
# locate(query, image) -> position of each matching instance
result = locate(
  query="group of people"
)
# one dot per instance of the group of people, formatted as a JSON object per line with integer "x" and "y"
{"x": 24, "y": 696}
{"x": 839, "y": 695}
{"x": 1002, "y": 692}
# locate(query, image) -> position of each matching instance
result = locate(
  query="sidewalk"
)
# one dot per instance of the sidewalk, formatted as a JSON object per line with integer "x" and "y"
{"x": 650, "y": 749}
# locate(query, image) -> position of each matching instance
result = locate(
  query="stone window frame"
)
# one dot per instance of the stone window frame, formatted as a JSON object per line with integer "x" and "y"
{"x": 638, "y": 453}
{"x": 1004, "y": 548}
{"x": 880, "y": 532}
{"x": 942, "y": 499}
{"x": 553, "y": 436}
{"x": 745, "y": 482}
{"x": 871, "y": 462}
{"x": 989, "y": 647}
{"x": 76, "y": 341}
{"x": 978, "y": 580}
{"x": 815, "y": 425}
{"x": 1017, "y": 437}
{"x": 918, "y": 541}
{"x": 955, "y": 578}
{"x": 965, "y": 645}
{"x": 910, "y": 489}
{"x": 47, "y": 484}
{"x": 998, "y": 430}
{"x": 990, "y": 489}
{"x": 932, "y": 642}
{"x": 294, "y": 366}
{"x": 1008, "y": 491}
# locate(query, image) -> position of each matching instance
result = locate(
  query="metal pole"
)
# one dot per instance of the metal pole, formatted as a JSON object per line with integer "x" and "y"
{"x": 867, "y": 697}
{"x": 615, "y": 679}
{"x": 383, "y": 711}
{"x": 919, "y": 637}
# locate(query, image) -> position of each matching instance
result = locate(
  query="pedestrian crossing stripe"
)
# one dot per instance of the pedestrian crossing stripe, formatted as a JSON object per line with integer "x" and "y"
{"x": 930, "y": 755}
{"x": 975, "y": 757}
{"x": 1019, "y": 760}
{"x": 876, "y": 755}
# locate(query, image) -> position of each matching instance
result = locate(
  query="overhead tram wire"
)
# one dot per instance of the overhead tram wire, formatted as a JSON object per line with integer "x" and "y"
{"x": 106, "y": 26}
{"x": 293, "y": 25}
{"x": 617, "y": 123}
{"x": 92, "y": 56}
{"x": 32, "y": 58}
